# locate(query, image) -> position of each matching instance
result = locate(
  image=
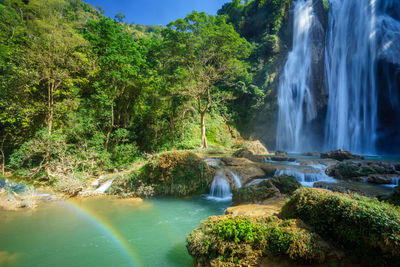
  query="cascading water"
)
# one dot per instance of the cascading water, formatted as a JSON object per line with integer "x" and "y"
{"x": 296, "y": 105}
{"x": 350, "y": 71}
{"x": 362, "y": 75}
{"x": 220, "y": 187}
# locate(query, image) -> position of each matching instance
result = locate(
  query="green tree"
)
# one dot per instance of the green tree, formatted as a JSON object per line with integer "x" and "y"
{"x": 210, "y": 53}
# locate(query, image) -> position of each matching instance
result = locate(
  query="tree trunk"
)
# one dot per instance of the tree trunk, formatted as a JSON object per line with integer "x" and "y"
{"x": 204, "y": 144}
{"x": 111, "y": 126}
{"x": 50, "y": 106}
{"x": 3, "y": 162}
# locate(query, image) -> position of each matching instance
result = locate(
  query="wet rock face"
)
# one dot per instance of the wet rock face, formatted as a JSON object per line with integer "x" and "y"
{"x": 371, "y": 171}
{"x": 340, "y": 155}
{"x": 244, "y": 168}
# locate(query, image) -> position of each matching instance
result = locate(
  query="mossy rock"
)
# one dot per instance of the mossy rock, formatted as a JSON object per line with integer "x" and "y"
{"x": 177, "y": 173}
{"x": 243, "y": 241}
{"x": 365, "y": 226}
{"x": 272, "y": 188}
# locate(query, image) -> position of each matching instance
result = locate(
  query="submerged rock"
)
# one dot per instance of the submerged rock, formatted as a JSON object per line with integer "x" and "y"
{"x": 340, "y": 155}
{"x": 312, "y": 154}
{"x": 282, "y": 154}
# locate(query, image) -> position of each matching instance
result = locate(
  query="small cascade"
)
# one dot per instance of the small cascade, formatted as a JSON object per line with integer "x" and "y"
{"x": 104, "y": 187}
{"x": 395, "y": 181}
{"x": 236, "y": 178}
{"x": 213, "y": 162}
{"x": 257, "y": 181}
{"x": 220, "y": 186}
{"x": 307, "y": 177}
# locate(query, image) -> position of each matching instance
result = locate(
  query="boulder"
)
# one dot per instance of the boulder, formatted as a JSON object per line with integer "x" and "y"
{"x": 245, "y": 169}
{"x": 282, "y": 154}
{"x": 236, "y": 161}
{"x": 256, "y": 147}
{"x": 359, "y": 170}
{"x": 272, "y": 209}
{"x": 380, "y": 178}
{"x": 340, "y": 155}
{"x": 246, "y": 173}
{"x": 246, "y": 153}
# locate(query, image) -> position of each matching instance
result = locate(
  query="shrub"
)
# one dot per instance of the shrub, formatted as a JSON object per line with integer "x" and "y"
{"x": 176, "y": 173}
{"x": 356, "y": 222}
{"x": 242, "y": 241}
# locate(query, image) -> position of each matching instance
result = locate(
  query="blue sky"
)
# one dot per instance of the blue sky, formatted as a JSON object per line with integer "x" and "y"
{"x": 154, "y": 12}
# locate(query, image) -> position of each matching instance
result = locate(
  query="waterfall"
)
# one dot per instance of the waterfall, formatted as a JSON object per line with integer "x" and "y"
{"x": 296, "y": 105}
{"x": 350, "y": 71}
{"x": 220, "y": 186}
{"x": 362, "y": 76}
{"x": 104, "y": 187}
{"x": 236, "y": 178}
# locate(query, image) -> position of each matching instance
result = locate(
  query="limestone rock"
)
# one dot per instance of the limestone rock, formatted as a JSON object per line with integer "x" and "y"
{"x": 340, "y": 155}
{"x": 272, "y": 209}
{"x": 236, "y": 161}
{"x": 359, "y": 170}
{"x": 256, "y": 147}
{"x": 246, "y": 153}
{"x": 247, "y": 173}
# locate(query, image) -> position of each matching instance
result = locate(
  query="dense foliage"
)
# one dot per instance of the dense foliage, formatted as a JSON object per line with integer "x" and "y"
{"x": 176, "y": 173}
{"x": 359, "y": 223}
{"x": 242, "y": 241}
{"x": 81, "y": 93}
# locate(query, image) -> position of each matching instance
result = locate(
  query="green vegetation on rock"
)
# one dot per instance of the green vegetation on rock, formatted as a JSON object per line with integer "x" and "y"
{"x": 176, "y": 173}
{"x": 363, "y": 225}
{"x": 243, "y": 241}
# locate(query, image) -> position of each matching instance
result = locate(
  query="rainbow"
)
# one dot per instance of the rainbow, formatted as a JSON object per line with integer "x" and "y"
{"x": 109, "y": 230}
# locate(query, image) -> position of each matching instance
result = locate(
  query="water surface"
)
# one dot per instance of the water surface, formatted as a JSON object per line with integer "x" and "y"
{"x": 103, "y": 232}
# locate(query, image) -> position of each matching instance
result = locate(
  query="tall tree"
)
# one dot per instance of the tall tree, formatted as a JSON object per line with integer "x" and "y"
{"x": 209, "y": 52}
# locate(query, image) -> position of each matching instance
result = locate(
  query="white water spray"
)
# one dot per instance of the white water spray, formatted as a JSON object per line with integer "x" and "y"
{"x": 350, "y": 71}
{"x": 296, "y": 104}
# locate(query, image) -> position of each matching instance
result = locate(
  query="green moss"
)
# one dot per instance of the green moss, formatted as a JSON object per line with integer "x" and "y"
{"x": 286, "y": 184}
{"x": 242, "y": 241}
{"x": 176, "y": 173}
{"x": 364, "y": 225}
{"x": 347, "y": 170}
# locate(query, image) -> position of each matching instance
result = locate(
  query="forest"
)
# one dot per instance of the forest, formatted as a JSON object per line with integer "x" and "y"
{"x": 82, "y": 92}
